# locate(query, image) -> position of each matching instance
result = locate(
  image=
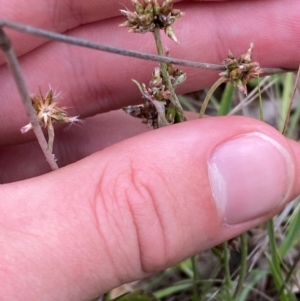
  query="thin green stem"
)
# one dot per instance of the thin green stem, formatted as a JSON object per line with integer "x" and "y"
{"x": 285, "y": 99}
{"x": 277, "y": 272}
{"x": 195, "y": 278}
{"x": 226, "y": 100}
{"x": 291, "y": 103}
{"x": 166, "y": 76}
{"x": 226, "y": 259}
{"x": 213, "y": 88}
{"x": 289, "y": 275}
{"x": 243, "y": 266}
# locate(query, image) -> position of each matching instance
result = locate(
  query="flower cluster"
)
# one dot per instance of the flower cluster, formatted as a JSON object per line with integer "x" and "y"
{"x": 148, "y": 15}
{"x": 241, "y": 70}
{"x": 157, "y": 109}
{"x": 48, "y": 111}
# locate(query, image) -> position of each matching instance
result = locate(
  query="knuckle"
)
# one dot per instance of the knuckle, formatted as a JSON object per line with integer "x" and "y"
{"x": 148, "y": 219}
{"x": 131, "y": 206}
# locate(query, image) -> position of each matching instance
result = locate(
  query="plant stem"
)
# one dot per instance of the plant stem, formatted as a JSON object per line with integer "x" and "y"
{"x": 226, "y": 259}
{"x": 6, "y": 46}
{"x": 101, "y": 47}
{"x": 289, "y": 275}
{"x": 213, "y": 88}
{"x": 291, "y": 103}
{"x": 226, "y": 100}
{"x": 50, "y": 136}
{"x": 277, "y": 272}
{"x": 195, "y": 278}
{"x": 243, "y": 266}
{"x": 261, "y": 113}
{"x": 164, "y": 71}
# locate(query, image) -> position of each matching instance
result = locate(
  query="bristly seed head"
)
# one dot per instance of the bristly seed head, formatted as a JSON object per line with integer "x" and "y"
{"x": 148, "y": 15}
{"x": 241, "y": 70}
{"x": 48, "y": 111}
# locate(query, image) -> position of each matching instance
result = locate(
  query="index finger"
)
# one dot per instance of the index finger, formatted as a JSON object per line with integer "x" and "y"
{"x": 58, "y": 16}
{"x": 94, "y": 82}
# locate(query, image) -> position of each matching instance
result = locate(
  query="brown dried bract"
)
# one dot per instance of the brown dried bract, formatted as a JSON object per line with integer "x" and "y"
{"x": 239, "y": 71}
{"x": 157, "y": 109}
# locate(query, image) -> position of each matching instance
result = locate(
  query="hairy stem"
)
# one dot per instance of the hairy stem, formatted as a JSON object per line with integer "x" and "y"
{"x": 6, "y": 46}
{"x": 163, "y": 67}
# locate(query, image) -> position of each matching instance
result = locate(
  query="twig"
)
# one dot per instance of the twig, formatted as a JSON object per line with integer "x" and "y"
{"x": 50, "y": 137}
{"x": 97, "y": 46}
{"x": 6, "y": 46}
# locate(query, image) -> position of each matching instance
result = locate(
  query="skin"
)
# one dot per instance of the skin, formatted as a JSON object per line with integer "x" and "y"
{"x": 130, "y": 207}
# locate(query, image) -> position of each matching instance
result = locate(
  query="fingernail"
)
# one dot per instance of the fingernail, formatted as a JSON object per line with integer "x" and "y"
{"x": 250, "y": 176}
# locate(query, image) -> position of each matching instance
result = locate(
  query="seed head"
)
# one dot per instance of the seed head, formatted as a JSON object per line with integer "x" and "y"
{"x": 48, "y": 111}
{"x": 241, "y": 70}
{"x": 148, "y": 15}
{"x": 157, "y": 109}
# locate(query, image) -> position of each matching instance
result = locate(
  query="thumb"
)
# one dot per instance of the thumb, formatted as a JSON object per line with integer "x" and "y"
{"x": 142, "y": 205}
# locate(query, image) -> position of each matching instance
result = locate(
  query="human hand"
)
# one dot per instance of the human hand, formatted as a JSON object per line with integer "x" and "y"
{"x": 147, "y": 202}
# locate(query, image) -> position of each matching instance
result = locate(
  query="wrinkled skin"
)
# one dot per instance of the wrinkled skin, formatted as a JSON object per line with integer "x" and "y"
{"x": 140, "y": 200}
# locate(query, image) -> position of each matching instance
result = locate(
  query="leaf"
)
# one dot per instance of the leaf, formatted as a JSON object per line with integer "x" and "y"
{"x": 136, "y": 296}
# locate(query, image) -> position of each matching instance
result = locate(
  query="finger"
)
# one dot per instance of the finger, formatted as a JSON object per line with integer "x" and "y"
{"x": 94, "y": 82}
{"x": 22, "y": 161}
{"x": 141, "y": 205}
{"x": 58, "y": 16}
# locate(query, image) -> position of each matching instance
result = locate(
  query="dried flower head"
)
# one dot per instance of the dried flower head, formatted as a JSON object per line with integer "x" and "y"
{"x": 157, "y": 109}
{"x": 48, "y": 112}
{"x": 148, "y": 15}
{"x": 241, "y": 70}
